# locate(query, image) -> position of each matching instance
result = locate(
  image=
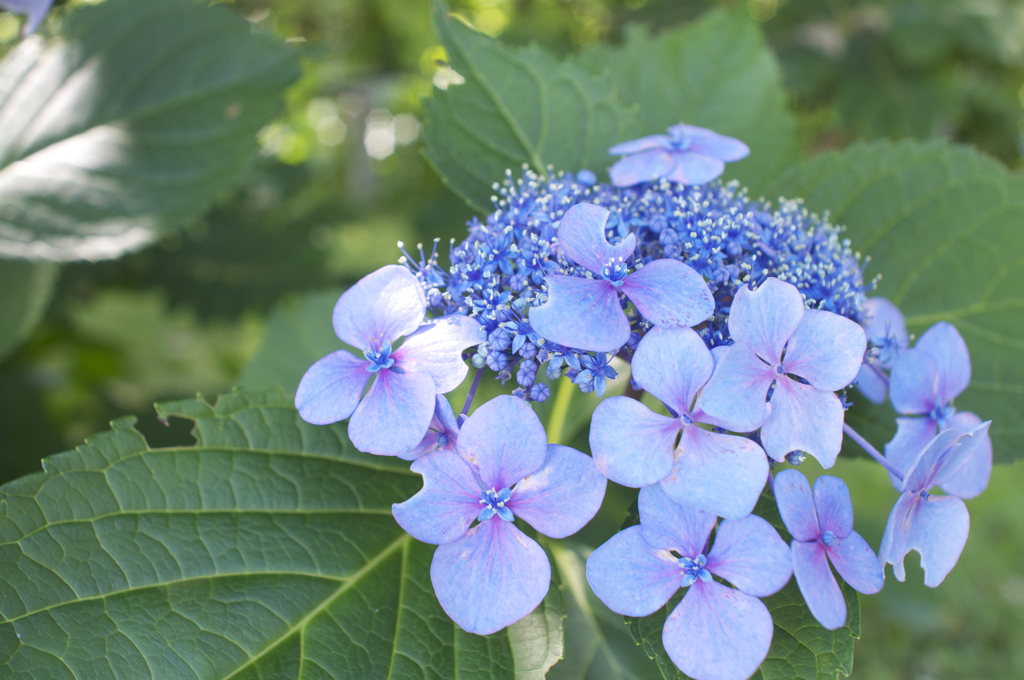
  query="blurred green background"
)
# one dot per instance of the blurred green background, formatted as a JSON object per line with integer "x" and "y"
{"x": 340, "y": 179}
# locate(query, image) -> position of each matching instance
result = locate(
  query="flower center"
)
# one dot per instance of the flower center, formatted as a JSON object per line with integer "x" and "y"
{"x": 794, "y": 458}
{"x": 379, "y": 357}
{"x": 680, "y": 140}
{"x": 780, "y": 370}
{"x": 828, "y": 538}
{"x": 687, "y": 420}
{"x": 614, "y": 272}
{"x": 694, "y": 569}
{"x": 888, "y": 349}
{"x": 494, "y": 504}
{"x": 942, "y": 413}
{"x": 441, "y": 439}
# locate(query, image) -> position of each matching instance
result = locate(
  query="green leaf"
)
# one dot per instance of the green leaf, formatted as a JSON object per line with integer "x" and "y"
{"x": 941, "y": 225}
{"x": 27, "y": 288}
{"x": 129, "y": 123}
{"x": 716, "y": 72}
{"x": 266, "y": 550}
{"x": 516, "y": 106}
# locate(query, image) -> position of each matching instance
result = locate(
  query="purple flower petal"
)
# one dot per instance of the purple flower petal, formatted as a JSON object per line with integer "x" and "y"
{"x": 331, "y": 388}
{"x": 380, "y": 308}
{"x": 855, "y": 561}
{"x": 642, "y": 144}
{"x": 630, "y": 576}
{"x": 944, "y": 344}
{"x": 833, "y": 506}
{"x": 561, "y": 497}
{"x": 645, "y": 166}
{"x": 750, "y": 554}
{"x": 884, "y": 320}
{"x": 718, "y": 473}
{"x": 766, "y": 318}
{"x": 719, "y": 146}
{"x": 914, "y": 383}
{"x": 717, "y": 633}
{"x": 667, "y": 525}
{"x": 581, "y": 238}
{"x": 35, "y": 11}
{"x": 935, "y": 527}
{"x": 944, "y": 456}
{"x": 803, "y": 418}
{"x": 818, "y": 585}
{"x": 436, "y": 349}
{"x": 971, "y": 479}
{"x": 631, "y": 444}
{"x": 872, "y": 383}
{"x": 446, "y": 506}
{"x": 796, "y": 505}
{"x": 581, "y": 313}
{"x": 893, "y": 547}
{"x": 443, "y": 432}
{"x": 737, "y": 390}
{"x": 672, "y": 364}
{"x": 826, "y": 350}
{"x": 394, "y": 415}
{"x": 912, "y": 436}
{"x": 504, "y": 441}
{"x": 669, "y": 293}
{"x": 491, "y": 577}
{"x": 695, "y": 168}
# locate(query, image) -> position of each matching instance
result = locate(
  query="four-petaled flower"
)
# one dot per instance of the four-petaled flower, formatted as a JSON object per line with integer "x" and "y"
{"x": 716, "y": 632}
{"x": 776, "y": 338}
{"x": 491, "y": 575}
{"x": 34, "y": 10}
{"x": 822, "y": 527}
{"x": 372, "y": 316}
{"x": 886, "y": 332}
{"x": 687, "y": 154}
{"x": 719, "y": 473}
{"x": 935, "y": 526}
{"x": 585, "y": 313}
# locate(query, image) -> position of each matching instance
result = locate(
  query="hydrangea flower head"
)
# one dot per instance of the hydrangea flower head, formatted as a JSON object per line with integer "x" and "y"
{"x": 716, "y": 632}
{"x": 687, "y": 154}
{"x": 793, "y": 359}
{"x": 821, "y": 524}
{"x": 886, "y": 332}
{"x": 372, "y": 316}
{"x": 720, "y": 473}
{"x": 935, "y": 526}
{"x": 490, "y": 575}
{"x": 35, "y": 10}
{"x": 585, "y": 312}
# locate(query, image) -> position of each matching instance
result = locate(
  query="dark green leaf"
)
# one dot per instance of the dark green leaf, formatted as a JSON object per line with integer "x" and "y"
{"x": 25, "y": 289}
{"x": 129, "y": 123}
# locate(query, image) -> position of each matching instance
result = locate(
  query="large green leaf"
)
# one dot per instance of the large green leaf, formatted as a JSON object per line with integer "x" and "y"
{"x": 266, "y": 550}
{"x": 942, "y": 226}
{"x": 129, "y": 123}
{"x": 717, "y": 72}
{"x": 516, "y": 106}
{"x": 26, "y": 289}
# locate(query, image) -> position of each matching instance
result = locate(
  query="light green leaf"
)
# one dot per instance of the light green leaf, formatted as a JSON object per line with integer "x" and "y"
{"x": 942, "y": 226}
{"x": 26, "y": 289}
{"x": 267, "y": 550}
{"x": 129, "y": 123}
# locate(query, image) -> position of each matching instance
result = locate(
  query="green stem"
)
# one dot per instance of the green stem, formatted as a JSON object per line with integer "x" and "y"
{"x": 559, "y": 412}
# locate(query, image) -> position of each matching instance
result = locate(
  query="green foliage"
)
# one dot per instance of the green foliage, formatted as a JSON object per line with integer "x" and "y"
{"x": 942, "y": 224}
{"x": 27, "y": 288}
{"x": 128, "y": 124}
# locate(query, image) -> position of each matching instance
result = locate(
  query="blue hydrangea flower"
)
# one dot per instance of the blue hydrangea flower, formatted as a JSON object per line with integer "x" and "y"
{"x": 595, "y": 373}
{"x": 372, "y": 316}
{"x": 35, "y": 10}
{"x": 490, "y": 575}
{"x": 822, "y": 528}
{"x": 585, "y": 312}
{"x": 935, "y": 526}
{"x": 719, "y": 473}
{"x": 792, "y": 357}
{"x": 687, "y": 154}
{"x": 887, "y": 337}
{"x": 442, "y": 433}
{"x": 924, "y": 382}
{"x": 716, "y": 632}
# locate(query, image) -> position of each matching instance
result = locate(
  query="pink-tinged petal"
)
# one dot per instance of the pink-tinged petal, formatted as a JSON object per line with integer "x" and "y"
{"x": 504, "y": 440}
{"x": 667, "y": 525}
{"x": 832, "y": 503}
{"x": 427, "y": 445}
{"x": 642, "y": 144}
{"x": 935, "y": 527}
{"x": 491, "y": 577}
{"x": 581, "y": 313}
{"x": 914, "y": 383}
{"x": 737, "y": 390}
{"x": 717, "y": 633}
{"x": 803, "y": 418}
{"x": 695, "y": 168}
{"x": 855, "y": 561}
{"x": 436, "y": 349}
{"x": 581, "y": 238}
{"x": 394, "y": 415}
{"x": 561, "y": 497}
{"x": 872, "y": 383}
{"x": 796, "y": 505}
{"x": 884, "y": 320}
{"x": 826, "y": 350}
{"x": 631, "y": 444}
{"x": 944, "y": 344}
{"x": 331, "y": 388}
{"x": 893, "y": 547}
{"x": 818, "y": 585}
{"x": 912, "y": 436}
{"x": 721, "y": 147}
{"x": 750, "y": 554}
{"x": 630, "y": 576}
{"x": 646, "y": 166}
{"x": 944, "y": 456}
{"x": 971, "y": 479}
{"x": 672, "y": 364}
{"x": 719, "y": 473}
{"x": 766, "y": 318}
{"x": 446, "y": 506}
{"x": 669, "y": 293}
{"x": 380, "y": 308}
